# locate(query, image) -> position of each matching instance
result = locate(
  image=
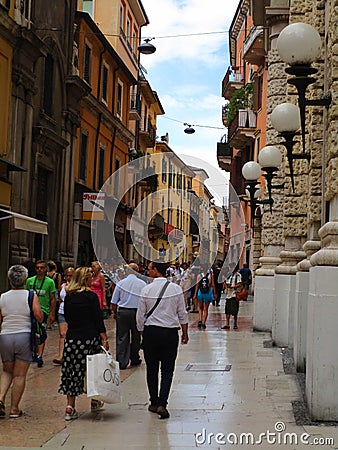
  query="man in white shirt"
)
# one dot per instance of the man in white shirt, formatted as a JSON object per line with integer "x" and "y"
{"x": 159, "y": 329}
{"x": 178, "y": 272}
{"x": 125, "y": 302}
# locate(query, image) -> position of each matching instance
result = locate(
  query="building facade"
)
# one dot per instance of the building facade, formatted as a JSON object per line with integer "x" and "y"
{"x": 295, "y": 292}
{"x": 244, "y": 87}
{"x": 41, "y": 127}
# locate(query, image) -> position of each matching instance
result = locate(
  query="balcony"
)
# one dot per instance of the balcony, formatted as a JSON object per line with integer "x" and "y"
{"x": 135, "y": 107}
{"x": 148, "y": 135}
{"x": 254, "y": 49}
{"x": 224, "y": 155}
{"x": 242, "y": 129}
{"x": 230, "y": 83}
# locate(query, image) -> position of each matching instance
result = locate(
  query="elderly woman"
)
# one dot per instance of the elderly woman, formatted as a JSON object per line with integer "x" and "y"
{"x": 86, "y": 333}
{"x": 15, "y": 338}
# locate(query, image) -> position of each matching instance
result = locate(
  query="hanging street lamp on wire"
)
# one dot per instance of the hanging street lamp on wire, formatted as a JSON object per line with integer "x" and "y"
{"x": 146, "y": 48}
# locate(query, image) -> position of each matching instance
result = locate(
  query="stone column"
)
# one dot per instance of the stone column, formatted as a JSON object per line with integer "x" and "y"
{"x": 284, "y": 297}
{"x": 264, "y": 293}
{"x": 23, "y": 91}
{"x": 322, "y": 330}
{"x": 301, "y": 304}
{"x": 67, "y": 189}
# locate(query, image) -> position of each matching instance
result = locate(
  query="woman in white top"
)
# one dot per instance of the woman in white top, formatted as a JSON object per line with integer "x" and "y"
{"x": 61, "y": 316}
{"x": 15, "y": 335}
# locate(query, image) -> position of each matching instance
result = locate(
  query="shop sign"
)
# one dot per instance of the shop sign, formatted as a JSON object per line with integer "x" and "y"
{"x": 93, "y": 205}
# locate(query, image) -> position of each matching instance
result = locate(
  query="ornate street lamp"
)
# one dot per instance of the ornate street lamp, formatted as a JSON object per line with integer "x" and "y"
{"x": 285, "y": 118}
{"x": 299, "y": 45}
{"x": 251, "y": 171}
{"x": 269, "y": 159}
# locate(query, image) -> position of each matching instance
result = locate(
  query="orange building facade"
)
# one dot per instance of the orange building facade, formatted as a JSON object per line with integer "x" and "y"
{"x": 244, "y": 87}
{"x": 104, "y": 137}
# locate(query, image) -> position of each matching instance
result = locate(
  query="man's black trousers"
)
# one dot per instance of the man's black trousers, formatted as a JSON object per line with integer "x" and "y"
{"x": 160, "y": 351}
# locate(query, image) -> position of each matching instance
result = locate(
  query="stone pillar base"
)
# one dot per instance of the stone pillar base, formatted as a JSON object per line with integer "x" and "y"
{"x": 322, "y": 348}
{"x": 301, "y": 304}
{"x": 263, "y": 303}
{"x": 280, "y": 314}
{"x": 300, "y": 320}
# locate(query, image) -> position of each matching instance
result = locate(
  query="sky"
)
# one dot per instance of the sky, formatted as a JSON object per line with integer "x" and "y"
{"x": 187, "y": 73}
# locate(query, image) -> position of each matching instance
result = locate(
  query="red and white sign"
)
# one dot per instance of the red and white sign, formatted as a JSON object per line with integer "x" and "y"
{"x": 93, "y": 205}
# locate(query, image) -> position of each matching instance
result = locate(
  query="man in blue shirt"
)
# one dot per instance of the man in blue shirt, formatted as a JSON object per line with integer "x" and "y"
{"x": 125, "y": 302}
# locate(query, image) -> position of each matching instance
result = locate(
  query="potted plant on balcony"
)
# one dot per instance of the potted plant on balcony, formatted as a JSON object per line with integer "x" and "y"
{"x": 241, "y": 99}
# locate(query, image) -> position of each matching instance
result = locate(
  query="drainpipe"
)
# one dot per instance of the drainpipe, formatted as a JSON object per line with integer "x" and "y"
{"x": 95, "y": 148}
{"x": 99, "y": 119}
{"x": 112, "y": 169}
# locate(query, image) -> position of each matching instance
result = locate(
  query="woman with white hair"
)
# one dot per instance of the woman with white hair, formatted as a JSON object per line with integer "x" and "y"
{"x": 15, "y": 336}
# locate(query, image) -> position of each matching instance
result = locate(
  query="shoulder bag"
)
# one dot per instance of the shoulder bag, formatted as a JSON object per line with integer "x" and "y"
{"x": 242, "y": 294}
{"x": 159, "y": 298}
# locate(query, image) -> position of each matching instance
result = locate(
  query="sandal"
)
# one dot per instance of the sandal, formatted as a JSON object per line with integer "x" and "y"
{"x": 2, "y": 409}
{"x": 71, "y": 413}
{"x": 57, "y": 362}
{"x": 96, "y": 405}
{"x": 15, "y": 415}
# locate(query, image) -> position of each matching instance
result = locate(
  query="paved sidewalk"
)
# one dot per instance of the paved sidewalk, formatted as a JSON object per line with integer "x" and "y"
{"x": 226, "y": 383}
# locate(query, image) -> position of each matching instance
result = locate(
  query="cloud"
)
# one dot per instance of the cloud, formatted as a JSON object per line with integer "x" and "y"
{"x": 171, "y": 18}
{"x": 187, "y": 72}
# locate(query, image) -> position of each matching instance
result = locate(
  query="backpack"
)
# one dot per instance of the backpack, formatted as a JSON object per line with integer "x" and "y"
{"x": 204, "y": 284}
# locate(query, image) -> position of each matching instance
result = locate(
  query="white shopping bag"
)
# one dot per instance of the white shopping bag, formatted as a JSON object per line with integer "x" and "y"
{"x": 103, "y": 378}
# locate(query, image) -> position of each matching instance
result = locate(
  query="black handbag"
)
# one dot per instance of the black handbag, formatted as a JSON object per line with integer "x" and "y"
{"x": 38, "y": 331}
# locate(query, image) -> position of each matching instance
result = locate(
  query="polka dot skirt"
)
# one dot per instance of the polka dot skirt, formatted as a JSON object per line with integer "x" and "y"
{"x": 74, "y": 364}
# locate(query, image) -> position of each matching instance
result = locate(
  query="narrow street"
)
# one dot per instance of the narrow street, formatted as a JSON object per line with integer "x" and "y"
{"x": 225, "y": 382}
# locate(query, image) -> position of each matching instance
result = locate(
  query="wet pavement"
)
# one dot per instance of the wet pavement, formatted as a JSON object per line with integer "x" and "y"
{"x": 229, "y": 389}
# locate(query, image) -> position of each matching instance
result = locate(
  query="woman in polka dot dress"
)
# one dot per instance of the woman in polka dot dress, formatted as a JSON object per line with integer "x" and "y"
{"x": 86, "y": 332}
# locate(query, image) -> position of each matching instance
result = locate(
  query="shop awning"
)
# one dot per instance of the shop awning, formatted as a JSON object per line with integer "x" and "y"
{"x": 25, "y": 223}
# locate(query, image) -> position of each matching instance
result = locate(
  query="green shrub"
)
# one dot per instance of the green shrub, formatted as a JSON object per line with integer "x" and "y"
{"x": 242, "y": 99}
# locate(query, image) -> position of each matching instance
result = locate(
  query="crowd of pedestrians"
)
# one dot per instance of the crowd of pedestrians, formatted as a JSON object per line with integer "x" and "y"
{"x": 150, "y": 303}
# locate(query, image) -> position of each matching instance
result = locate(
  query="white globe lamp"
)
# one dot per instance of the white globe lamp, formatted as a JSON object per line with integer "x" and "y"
{"x": 270, "y": 157}
{"x": 299, "y": 43}
{"x": 285, "y": 118}
{"x": 251, "y": 171}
